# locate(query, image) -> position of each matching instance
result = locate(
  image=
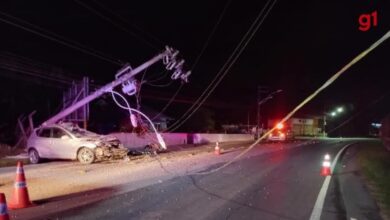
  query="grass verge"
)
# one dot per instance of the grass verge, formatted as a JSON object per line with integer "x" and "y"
{"x": 375, "y": 163}
{"x": 6, "y": 162}
{"x": 6, "y": 150}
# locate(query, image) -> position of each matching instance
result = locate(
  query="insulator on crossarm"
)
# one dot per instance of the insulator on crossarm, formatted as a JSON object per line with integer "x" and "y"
{"x": 168, "y": 49}
{"x": 184, "y": 77}
{"x": 176, "y": 74}
{"x": 171, "y": 65}
{"x": 166, "y": 59}
{"x": 175, "y": 54}
{"x": 180, "y": 64}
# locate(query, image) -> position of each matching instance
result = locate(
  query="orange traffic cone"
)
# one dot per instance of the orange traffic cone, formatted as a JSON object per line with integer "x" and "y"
{"x": 325, "y": 171}
{"x": 217, "y": 150}
{"x": 20, "y": 197}
{"x": 3, "y": 208}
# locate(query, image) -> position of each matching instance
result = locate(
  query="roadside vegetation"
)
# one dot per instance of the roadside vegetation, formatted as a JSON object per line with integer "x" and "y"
{"x": 5, "y": 162}
{"x": 375, "y": 162}
{"x": 6, "y": 150}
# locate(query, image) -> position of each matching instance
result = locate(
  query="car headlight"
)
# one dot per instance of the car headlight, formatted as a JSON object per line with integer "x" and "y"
{"x": 89, "y": 145}
{"x": 99, "y": 151}
{"x": 98, "y": 143}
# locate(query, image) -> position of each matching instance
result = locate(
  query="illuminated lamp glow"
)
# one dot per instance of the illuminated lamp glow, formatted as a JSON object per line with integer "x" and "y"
{"x": 279, "y": 126}
{"x": 281, "y": 135}
{"x": 327, "y": 157}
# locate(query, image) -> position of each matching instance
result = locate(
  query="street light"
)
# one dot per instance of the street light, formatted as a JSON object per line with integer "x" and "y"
{"x": 259, "y": 103}
{"x": 333, "y": 114}
{"x": 270, "y": 96}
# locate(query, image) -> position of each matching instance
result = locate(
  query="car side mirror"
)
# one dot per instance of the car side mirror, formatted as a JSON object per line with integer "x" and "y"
{"x": 64, "y": 137}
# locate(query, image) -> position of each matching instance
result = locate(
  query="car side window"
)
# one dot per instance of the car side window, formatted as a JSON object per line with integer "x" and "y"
{"x": 58, "y": 133}
{"x": 44, "y": 132}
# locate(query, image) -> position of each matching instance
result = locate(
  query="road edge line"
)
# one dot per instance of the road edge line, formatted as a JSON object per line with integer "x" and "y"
{"x": 319, "y": 204}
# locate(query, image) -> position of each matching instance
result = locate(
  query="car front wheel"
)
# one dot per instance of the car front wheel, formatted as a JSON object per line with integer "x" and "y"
{"x": 86, "y": 155}
{"x": 34, "y": 156}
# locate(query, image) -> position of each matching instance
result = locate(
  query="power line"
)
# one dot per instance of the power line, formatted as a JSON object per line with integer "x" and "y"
{"x": 7, "y": 58}
{"x": 115, "y": 24}
{"x": 226, "y": 67}
{"x": 158, "y": 78}
{"x": 138, "y": 99}
{"x": 211, "y": 34}
{"x": 160, "y": 85}
{"x": 55, "y": 37}
{"x": 169, "y": 102}
{"x": 133, "y": 25}
{"x": 58, "y": 36}
{"x": 205, "y": 45}
{"x": 331, "y": 80}
{"x": 14, "y": 64}
{"x": 232, "y": 57}
{"x": 35, "y": 80}
{"x": 31, "y": 73}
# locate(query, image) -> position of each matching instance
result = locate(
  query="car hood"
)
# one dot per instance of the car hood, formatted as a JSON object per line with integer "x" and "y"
{"x": 99, "y": 138}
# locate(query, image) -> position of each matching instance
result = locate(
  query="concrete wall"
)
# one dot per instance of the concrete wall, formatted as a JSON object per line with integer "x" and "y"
{"x": 132, "y": 140}
{"x": 210, "y": 138}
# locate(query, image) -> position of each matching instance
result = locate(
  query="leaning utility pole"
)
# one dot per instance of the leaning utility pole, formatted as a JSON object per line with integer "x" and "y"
{"x": 126, "y": 73}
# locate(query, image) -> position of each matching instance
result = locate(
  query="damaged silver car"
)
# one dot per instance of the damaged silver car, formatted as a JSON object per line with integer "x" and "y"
{"x": 69, "y": 141}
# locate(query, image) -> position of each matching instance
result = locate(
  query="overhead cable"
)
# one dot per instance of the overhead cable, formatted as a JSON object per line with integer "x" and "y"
{"x": 85, "y": 5}
{"x": 331, "y": 80}
{"x": 160, "y": 42}
{"x": 205, "y": 45}
{"x": 54, "y": 37}
{"x": 226, "y": 67}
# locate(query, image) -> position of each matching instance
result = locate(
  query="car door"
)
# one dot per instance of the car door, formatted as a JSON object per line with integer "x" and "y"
{"x": 62, "y": 144}
{"x": 42, "y": 142}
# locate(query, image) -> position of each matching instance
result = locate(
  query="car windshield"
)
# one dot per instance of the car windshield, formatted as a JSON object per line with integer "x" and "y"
{"x": 79, "y": 132}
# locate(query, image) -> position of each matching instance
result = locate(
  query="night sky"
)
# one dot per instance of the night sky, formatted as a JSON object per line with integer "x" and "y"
{"x": 299, "y": 46}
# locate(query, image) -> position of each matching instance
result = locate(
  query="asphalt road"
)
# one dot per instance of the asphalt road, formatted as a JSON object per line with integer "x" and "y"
{"x": 277, "y": 185}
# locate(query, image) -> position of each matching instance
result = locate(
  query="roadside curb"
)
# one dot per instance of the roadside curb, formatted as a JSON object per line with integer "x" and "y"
{"x": 320, "y": 201}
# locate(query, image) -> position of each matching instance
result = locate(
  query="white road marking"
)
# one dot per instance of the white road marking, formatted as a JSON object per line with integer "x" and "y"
{"x": 318, "y": 206}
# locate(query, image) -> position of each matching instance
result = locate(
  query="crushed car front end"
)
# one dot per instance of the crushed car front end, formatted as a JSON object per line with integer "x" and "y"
{"x": 109, "y": 148}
